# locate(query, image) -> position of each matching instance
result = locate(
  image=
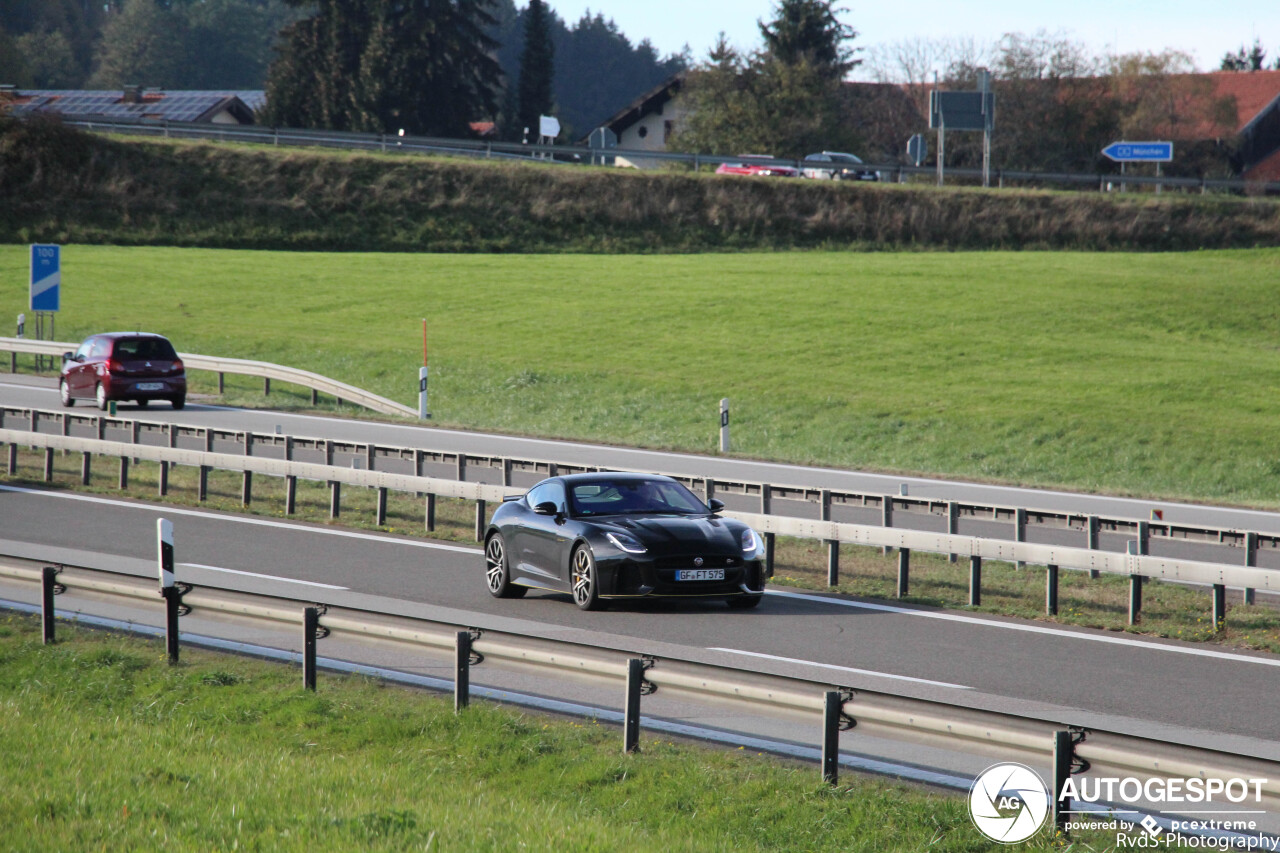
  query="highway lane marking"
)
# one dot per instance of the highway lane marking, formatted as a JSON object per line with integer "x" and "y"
{"x": 257, "y": 522}
{"x": 1030, "y": 629}
{"x": 844, "y": 668}
{"x": 264, "y": 577}
{"x": 1139, "y": 506}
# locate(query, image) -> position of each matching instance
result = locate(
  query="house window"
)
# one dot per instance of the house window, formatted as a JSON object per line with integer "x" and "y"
{"x": 668, "y": 127}
{"x": 642, "y": 132}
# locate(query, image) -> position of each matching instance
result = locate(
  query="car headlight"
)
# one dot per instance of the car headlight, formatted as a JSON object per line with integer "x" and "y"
{"x": 751, "y": 541}
{"x": 626, "y": 542}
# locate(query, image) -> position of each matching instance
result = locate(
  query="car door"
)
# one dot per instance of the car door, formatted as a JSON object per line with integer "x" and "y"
{"x": 544, "y": 540}
{"x": 76, "y": 376}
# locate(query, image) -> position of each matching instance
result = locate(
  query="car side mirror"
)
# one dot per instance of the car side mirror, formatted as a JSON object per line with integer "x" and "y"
{"x": 715, "y": 504}
{"x": 547, "y": 508}
{"x": 68, "y": 356}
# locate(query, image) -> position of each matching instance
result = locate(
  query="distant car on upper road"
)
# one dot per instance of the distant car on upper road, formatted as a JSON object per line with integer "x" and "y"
{"x": 758, "y": 164}
{"x": 844, "y": 167}
{"x": 135, "y": 366}
{"x": 618, "y": 536}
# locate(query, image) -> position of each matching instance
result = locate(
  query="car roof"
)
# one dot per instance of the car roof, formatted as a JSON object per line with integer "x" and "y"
{"x": 117, "y": 335}
{"x": 571, "y": 479}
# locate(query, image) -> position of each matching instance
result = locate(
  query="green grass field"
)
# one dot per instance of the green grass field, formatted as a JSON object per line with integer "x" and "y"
{"x": 1125, "y": 373}
{"x": 105, "y": 747}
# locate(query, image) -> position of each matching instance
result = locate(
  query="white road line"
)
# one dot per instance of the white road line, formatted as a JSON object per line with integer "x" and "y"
{"x": 1028, "y": 628}
{"x": 843, "y": 668}
{"x": 257, "y": 522}
{"x": 264, "y": 577}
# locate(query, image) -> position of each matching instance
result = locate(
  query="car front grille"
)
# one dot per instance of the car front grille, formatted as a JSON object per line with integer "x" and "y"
{"x": 709, "y": 561}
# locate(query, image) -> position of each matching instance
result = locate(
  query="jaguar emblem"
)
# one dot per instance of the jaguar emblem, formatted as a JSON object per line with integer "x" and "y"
{"x": 697, "y": 561}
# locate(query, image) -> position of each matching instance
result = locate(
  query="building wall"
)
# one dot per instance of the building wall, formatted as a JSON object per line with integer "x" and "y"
{"x": 651, "y": 134}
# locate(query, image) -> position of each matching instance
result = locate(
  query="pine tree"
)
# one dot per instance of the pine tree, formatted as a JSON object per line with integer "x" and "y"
{"x": 537, "y": 69}
{"x": 809, "y": 31}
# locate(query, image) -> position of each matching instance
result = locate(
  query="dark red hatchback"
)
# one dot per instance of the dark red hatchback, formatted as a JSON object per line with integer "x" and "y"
{"x": 135, "y": 366}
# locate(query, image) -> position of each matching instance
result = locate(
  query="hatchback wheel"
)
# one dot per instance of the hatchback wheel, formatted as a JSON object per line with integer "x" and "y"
{"x": 585, "y": 579}
{"x": 101, "y": 397}
{"x": 180, "y": 402}
{"x": 65, "y": 393}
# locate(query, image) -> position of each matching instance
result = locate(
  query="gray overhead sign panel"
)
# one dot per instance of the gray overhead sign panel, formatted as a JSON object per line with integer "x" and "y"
{"x": 962, "y": 110}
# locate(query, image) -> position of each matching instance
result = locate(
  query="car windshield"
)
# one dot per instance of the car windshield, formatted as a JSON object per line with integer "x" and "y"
{"x": 150, "y": 349}
{"x": 631, "y": 497}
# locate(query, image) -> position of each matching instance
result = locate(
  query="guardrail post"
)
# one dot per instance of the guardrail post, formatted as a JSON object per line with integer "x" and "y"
{"x": 481, "y": 508}
{"x": 171, "y": 433}
{"x": 631, "y": 714}
{"x": 1020, "y": 530}
{"x": 124, "y": 473}
{"x": 246, "y": 489}
{"x": 208, "y": 440}
{"x": 1144, "y": 537}
{"x": 461, "y": 671}
{"x": 1094, "y": 532}
{"x": 290, "y": 495}
{"x": 48, "y": 464}
{"x": 49, "y": 587}
{"x": 832, "y": 705}
{"x": 266, "y": 386}
{"x": 310, "y": 628}
{"x": 953, "y": 525}
{"x": 904, "y": 571}
{"x": 431, "y": 512}
{"x": 202, "y": 486}
{"x": 1250, "y": 559}
{"x": 328, "y": 452}
{"x": 288, "y": 448}
{"x": 164, "y": 479}
{"x": 975, "y": 581}
{"x": 86, "y": 466}
{"x": 12, "y": 465}
{"x": 1219, "y": 607}
{"x": 769, "y": 544}
{"x": 222, "y": 385}
{"x": 1135, "y": 589}
{"x": 1051, "y": 591}
{"x": 886, "y": 517}
{"x": 168, "y": 586}
{"x": 380, "y": 515}
{"x": 462, "y": 467}
{"x": 370, "y": 456}
{"x": 833, "y": 545}
{"x": 1063, "y": 751}
{"x": 506, "y": 472}
{"x": 766, "y": 499}
{"x": 708, "y": 488}
{"x": 335, "y": 498}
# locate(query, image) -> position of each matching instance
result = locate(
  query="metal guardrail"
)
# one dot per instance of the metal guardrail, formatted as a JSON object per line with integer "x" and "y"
{"x": 559, "y": 153}
{"x": 402, "y": 469}
{"x": 883, "y": 714}
{"x": 262, "y": 369}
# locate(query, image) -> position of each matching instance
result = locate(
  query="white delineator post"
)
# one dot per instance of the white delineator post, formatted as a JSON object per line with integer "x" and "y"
{"x": 423, "y": 414}
{"x": 724, "y": 425}
{"x": 168, "y": 585}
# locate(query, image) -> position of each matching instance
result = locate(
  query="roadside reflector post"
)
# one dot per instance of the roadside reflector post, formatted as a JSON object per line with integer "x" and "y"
{"x": 1250, "y": 559}
{"x": 1051, "y": 591}
{"x": 975, "y": 581}
{"x": 381, "y": 513}
{"x": 833, "y": 545}
{"x": 335, "y": 498}
{"x": 1219, "y": 607}
{"x": 481, "y": 509}
{"x": 48, "y": 464}
{"x": 13, "y": 459}
{"x": 431, "y": 512}
{"x": 1020, "y": 530}
{"x": 886, "y": 517}
{"x": 202, "y": 487}
{"x": 124, "y": 473}
{"x": 164, "y": 478}
{"x": 311, "y": 632}
{"x": 424, "y": 411}
{"x": 266, "y": 386}
{"x": 832, "y": 705}
{"x": 169, "y": 588}
{"x": 86, "y": 465}
{"x": 724, "y": 425}
{"x": 246, "y": 489}
{"x": 1094, "y": 532}
{"x": 1063, "y": 752}
{"x": 953, "y": 525}
{"x": 290, "y": 495}
{"x": 904, "y": 571}
{"x": 769, "y": 544}
{"x": 631, "y": 714}
{"x": 49, "y": 587}
{"x": 461, "y": 671}
{"x": 1135, "y": 587}
{"x": 222, "y": 383}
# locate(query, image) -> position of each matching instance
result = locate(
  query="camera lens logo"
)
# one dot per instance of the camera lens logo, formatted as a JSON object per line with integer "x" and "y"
{"x": 1008, "y": 803}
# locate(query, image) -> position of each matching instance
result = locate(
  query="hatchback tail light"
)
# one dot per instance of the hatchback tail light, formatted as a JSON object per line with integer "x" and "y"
{"x": 114, "y": 366}
{"x": 177, "y": 366}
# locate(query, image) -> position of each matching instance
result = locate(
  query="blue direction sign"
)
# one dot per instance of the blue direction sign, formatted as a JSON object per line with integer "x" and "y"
{"x": 46, "y": 277}
{"x": 1139, "y": 152}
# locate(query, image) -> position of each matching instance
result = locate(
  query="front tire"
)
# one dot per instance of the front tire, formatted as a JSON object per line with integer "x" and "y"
{"x": 65, "y": 393}
{"x": 497, "y": 575}
{"x": 585, "y": 579}
{"x": 100, "y": 396}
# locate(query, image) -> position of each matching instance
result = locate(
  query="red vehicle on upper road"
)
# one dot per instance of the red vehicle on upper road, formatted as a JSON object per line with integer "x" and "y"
{"x": 135, "y": 366}
{"x": 758, "y": 164}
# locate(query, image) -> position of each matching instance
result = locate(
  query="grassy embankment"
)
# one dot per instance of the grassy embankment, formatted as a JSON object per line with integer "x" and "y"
{"x": 1138, "y": 374}
{"x": 68, "y": 187}
{"x": 104, "y": 746}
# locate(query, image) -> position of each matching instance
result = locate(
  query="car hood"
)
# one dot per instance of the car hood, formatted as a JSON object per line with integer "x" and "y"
{"x": 678, "y": 533}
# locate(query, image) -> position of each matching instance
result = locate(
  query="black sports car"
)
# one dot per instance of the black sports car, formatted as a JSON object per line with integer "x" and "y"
{"x": 612, "y": 535}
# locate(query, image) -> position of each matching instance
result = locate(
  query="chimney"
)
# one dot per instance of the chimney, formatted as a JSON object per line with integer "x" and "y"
{"x": 132, "y": 94}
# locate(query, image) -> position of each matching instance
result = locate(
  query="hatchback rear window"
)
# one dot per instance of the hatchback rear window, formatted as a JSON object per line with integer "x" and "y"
{"x": 151, "y": 349}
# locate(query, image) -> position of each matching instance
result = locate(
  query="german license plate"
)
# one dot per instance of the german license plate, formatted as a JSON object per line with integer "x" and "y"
{"x": 150, "y": 386}
{"x": 700, "y": 574}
